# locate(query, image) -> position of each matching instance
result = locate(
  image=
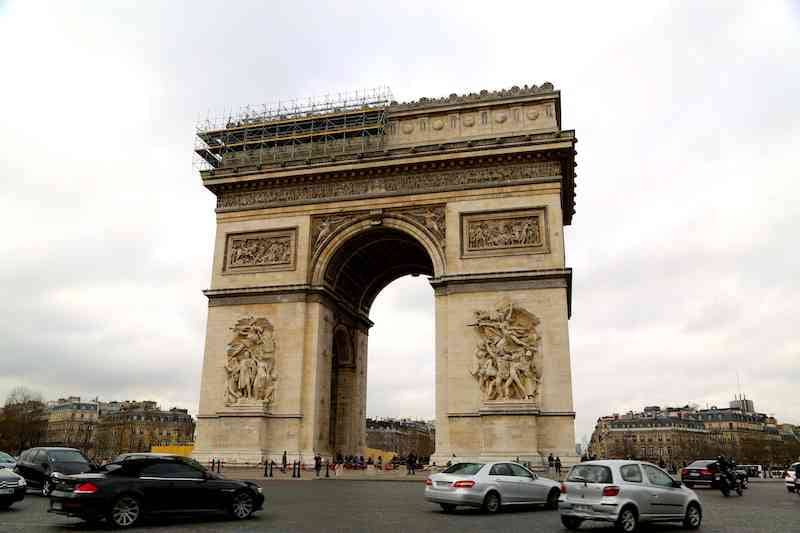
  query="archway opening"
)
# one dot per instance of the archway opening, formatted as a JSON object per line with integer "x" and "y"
{"x": 370, "y": 260}
{"x": 401, "y": 370}
{"x": 361, "y": 268}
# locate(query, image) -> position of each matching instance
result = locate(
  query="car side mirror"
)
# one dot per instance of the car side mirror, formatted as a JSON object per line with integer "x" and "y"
{"x": 677, "y": 484}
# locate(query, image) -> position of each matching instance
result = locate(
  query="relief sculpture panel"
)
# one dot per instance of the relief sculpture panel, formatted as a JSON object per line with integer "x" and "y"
{"x": 251, "y": 378}
{"x": 507, "y": 357}
{"x": 260, "y": 251}
{"x": 504, "y": 233}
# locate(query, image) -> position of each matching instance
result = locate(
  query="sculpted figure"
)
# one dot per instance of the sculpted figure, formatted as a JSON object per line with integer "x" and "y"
{"x": 504, "y": 365}
{"x": 250, "y": 365}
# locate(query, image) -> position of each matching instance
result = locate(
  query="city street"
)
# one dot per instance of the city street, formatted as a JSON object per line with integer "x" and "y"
{"x": 398, "y": 506}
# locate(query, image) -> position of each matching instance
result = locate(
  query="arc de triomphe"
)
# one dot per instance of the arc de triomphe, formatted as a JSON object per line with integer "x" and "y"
{"x": 321, "y": 205}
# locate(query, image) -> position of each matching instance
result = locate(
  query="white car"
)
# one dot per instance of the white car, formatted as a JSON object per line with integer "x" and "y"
{"x": 626, "y": 493}
{"x": 789, "y": 476}
{"x": 490, "y": 486}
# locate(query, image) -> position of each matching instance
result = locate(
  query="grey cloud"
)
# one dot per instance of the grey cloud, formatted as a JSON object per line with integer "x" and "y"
{"x": 683, "y": 244}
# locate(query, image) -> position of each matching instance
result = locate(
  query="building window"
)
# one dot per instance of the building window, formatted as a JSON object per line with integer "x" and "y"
{"x": 422, "y": 124}
{"x": 484, "y": 118}
{"x": 516, "y": 115}
{"x": 453, "y": 122}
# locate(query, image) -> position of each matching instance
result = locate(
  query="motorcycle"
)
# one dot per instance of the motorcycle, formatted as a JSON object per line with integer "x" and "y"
{"x": 744, "y": 479}
{"x": 727, "y": 483}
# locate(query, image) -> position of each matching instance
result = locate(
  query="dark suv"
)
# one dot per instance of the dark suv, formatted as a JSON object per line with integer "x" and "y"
{"x": 37, "y": 465}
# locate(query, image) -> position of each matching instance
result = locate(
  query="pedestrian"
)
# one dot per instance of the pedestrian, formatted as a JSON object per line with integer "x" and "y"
{"x": 412, "y": 464}
{"x": 550, "y": 463}
{"x": 558, "y": 466}
{"x": 317, "y": 463}
{"x": 284, "y": 462}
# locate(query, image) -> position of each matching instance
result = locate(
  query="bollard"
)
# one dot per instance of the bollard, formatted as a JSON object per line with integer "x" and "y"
{"x": 266, "y": 468}
{"x": 271, "y": 463}
{"x": 327, "y": 469}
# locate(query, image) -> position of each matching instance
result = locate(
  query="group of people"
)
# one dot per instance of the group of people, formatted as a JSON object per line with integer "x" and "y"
{"x": 554, "y": 464}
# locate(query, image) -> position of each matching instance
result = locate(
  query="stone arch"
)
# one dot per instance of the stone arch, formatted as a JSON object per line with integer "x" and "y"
{"x": 391, "y": 236}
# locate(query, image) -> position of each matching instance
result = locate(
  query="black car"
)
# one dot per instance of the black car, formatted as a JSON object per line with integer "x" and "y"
{"x": 701, "y": 473}
{"x": 38, "y": 465}
{"x": 12, "y": 488}
{"x": 124, "y": 491}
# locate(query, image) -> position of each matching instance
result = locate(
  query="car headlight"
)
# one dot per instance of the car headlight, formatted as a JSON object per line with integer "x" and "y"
{"x": 21, "y": 482}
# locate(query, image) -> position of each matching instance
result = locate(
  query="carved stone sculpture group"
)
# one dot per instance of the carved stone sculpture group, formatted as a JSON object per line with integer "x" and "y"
{"x": 250, "y": 365}
{"x": 504, "y": 233}
{"x": 506, "y": 356}
{"x": 260, "y": 251}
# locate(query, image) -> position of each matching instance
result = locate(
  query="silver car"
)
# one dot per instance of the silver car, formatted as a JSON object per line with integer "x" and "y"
{"x": 6, "y": 461}
{"x": 490, "y": 486}
{"x": 626, "y": 493}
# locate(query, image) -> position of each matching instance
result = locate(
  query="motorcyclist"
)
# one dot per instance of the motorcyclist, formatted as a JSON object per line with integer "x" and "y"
{"x": 727, "y": 469}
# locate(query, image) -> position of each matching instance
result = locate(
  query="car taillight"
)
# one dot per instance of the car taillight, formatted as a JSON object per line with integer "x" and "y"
{"x": 85, "y": 488}
{"x": 706, "y": 472}
{"x": 563, "y": 488}
{"x": 428, "y": 482}
{"x": 684, "y": 472}
{"x": 464, "y": 484}
{"x": 611, "y": 490}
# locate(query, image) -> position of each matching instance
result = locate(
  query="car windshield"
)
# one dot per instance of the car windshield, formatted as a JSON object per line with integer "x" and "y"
{"x": 5, "y": 458}
{"x": 590, "y": 474}
{"x": 466, "y": 469}
{"x": 700, "y": 464}
{"x": 67, "y": 456}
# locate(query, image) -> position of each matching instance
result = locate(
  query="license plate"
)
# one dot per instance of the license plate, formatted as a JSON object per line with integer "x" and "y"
{"x": 693, "y": 474}
{"x": 6, "y": 491}
{"x": 57, "y": 506}
{"x": 582, "y": 508}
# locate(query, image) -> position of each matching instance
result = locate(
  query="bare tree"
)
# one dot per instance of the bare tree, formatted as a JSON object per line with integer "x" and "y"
{"x": 24, "y": 422}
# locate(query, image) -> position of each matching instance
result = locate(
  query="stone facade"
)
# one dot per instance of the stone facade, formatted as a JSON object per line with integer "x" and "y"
{"x": 473, "y": 192}
{"x": 72, "y": 423}
{"x": 125, "y": 427}
{"x": 402, "y": 437}
{"x": 679, "y": 435}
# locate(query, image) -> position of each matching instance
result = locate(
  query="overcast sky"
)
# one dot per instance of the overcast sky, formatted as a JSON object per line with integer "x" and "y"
{"x": 684, "y": 246}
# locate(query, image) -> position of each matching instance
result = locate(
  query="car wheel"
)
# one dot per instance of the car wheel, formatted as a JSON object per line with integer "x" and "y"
{"x": 790, "y": 489}
{"x": 125, "y": 511}
{"x": 491, "y": 503}
{"x": 5, "y": 505}
{"x": 47, "y": 487}
{"x": 571, "y": 522}
{"x": 552, "y": 499}
{"x": 242, "y": 505}
{"x": 694, "y": 516}
{"x": 628, "y": 521}
{"x": 448, "y": 507}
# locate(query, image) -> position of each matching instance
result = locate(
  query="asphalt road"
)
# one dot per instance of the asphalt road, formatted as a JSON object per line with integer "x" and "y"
{"x": 385, "y": 507}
